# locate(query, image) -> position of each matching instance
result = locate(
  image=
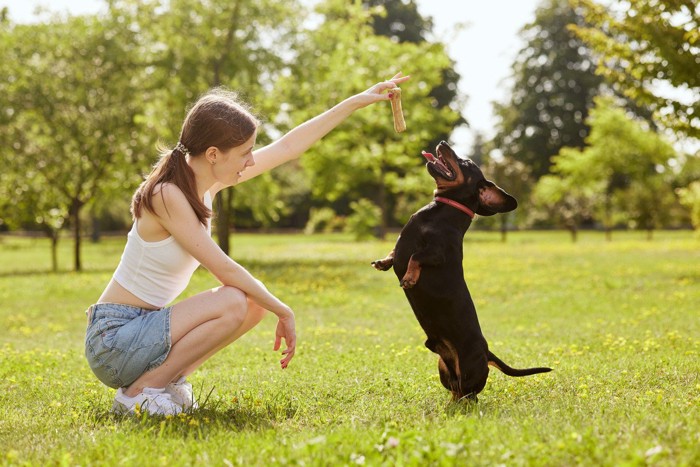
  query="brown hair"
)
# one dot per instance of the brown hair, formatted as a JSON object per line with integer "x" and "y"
{"x": 217, "y": 119}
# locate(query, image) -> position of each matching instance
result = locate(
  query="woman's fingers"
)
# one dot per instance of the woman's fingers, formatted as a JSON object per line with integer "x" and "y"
{"x": 399, "y": 78}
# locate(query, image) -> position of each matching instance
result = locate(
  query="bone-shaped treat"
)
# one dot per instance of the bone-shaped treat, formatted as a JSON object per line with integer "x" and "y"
{"x": 396, "y": 110}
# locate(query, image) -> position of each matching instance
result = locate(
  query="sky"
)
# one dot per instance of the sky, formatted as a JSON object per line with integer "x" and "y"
{"x": 483, "y": 49}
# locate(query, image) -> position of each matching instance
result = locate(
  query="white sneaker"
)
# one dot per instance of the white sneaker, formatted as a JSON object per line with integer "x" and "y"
{"x": 182, "y": 394}
{"x": 152, "y": 400}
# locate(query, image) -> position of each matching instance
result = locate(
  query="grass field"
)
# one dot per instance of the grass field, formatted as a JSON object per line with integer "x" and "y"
{"x": 619, "y": 322}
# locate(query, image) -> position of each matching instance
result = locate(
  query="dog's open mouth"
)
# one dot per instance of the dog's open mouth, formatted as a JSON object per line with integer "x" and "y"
{"x": 439, "y": 164}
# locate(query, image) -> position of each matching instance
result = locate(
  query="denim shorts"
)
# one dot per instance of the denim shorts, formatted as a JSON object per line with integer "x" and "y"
{"x": 122, "y": 342}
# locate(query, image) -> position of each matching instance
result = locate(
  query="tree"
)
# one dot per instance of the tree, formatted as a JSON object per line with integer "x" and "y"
{"x": 567, "y": 196}
{"x": 554, "y": 83}
{"x": 67, "y": 87}
{"x": 650, "y": 51}
{"x": 341, "y": 57}
{"x": 24, "y": 203}
{"x": 622, "y": 173}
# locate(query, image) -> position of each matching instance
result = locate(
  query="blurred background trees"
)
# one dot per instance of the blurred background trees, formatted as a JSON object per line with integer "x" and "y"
{"x": 554, "y": 83}
{"x": 599, "y": 129}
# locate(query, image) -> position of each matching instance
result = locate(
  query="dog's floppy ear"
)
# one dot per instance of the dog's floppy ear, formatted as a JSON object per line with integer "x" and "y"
{"x": 493, "y": 200}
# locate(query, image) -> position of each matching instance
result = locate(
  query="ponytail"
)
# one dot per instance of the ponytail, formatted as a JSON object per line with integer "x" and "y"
{"x": 172, "y": 168}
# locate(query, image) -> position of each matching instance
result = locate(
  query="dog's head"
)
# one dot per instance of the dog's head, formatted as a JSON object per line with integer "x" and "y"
{"x": 461, "y": 180}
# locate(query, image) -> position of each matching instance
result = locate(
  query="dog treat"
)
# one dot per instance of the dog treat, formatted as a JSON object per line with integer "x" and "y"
{"x": 399, "y": 123}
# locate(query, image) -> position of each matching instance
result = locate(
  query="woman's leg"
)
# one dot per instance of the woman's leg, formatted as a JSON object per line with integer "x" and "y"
{"x": 254, "y": 315}
{"x": 199, "y": 327}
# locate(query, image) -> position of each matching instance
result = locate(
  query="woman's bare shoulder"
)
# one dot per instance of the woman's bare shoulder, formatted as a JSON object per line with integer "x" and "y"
{"x": 168, "y": 199}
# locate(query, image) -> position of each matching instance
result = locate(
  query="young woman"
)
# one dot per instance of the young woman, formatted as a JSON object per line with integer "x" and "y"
{"x": 135, "y": 342}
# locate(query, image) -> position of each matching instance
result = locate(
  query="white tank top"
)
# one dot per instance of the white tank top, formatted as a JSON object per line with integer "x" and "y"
{"x": 156, "y": 272}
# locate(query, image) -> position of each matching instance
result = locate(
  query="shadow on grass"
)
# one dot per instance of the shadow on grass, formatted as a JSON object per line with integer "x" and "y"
{"x": 212, "y": 416}
{"x": 463, "y": 407}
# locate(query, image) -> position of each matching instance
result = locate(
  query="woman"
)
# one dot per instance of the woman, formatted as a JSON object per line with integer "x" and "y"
{"x": 135, "y": 342}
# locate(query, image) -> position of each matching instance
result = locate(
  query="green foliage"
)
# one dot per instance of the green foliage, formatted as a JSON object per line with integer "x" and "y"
{"x": 402, "y": 22}
{"x": 364, "y": 220}
{"x": 341, "y": 57}
{"x": 650, "y": 49}
{"x": 620, "y": 175}
{"x": 515, "y": 178}
{"x": 561, "y": 198}
{"x": 67, "y": 93}
{"x": 613, "y": 319}
{"x": 324, "y": 220}
{"x": 554, "y": 83}
{"x": 690, "y": 198}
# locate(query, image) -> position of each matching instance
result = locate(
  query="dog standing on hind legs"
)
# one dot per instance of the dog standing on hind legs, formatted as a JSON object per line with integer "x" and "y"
{"x": 427, "y": 259}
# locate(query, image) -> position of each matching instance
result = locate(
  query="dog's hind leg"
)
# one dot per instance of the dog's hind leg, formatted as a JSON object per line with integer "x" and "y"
{"x": 448, "y": 367}
{"x": 445, "y": 377}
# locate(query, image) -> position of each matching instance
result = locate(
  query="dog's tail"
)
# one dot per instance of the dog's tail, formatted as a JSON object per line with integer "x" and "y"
{"x": 496, "y": 362}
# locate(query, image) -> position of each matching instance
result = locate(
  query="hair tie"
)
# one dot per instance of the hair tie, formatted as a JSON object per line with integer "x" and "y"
{"x": 181, "y": 147}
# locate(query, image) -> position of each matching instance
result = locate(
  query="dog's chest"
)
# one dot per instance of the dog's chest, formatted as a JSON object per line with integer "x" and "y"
{"x": 437, "y": 243}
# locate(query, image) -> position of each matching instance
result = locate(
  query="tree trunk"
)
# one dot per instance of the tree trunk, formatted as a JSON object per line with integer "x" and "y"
{"x": 574, "y": 233}
{"x": 608, "y": 217}
{"x": 650, "y": 234}
{"x": 381, "y": 201}
{"x": 53, "y": 235}
{"x": 75, "y": 214}
{"x": 223, "y": 208}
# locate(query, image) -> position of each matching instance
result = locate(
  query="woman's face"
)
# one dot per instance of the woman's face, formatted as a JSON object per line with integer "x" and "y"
{"x": 233, "y": 162}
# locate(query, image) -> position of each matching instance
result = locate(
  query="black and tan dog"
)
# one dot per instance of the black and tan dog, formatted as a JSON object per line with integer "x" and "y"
{"x": 427, "y": 260}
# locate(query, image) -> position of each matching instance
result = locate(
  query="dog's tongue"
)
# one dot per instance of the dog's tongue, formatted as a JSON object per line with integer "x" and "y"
{"x": 429, "y": 156}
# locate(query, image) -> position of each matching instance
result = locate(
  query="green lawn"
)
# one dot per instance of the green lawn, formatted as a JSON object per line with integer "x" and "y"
{"x": 619, "y": 322}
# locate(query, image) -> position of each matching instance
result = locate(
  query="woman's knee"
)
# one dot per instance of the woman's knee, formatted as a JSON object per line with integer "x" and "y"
{"x": 234, "y": 306}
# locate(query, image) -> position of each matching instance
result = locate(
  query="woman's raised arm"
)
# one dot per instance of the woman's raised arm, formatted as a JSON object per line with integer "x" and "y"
{"x": 297, "y": 141}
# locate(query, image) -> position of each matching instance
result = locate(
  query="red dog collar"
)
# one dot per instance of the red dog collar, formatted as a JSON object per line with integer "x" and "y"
{"x": 457, "y": 205}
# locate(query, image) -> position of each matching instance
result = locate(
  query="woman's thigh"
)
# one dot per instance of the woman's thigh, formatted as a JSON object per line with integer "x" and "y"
{"x": 216, "y": 303}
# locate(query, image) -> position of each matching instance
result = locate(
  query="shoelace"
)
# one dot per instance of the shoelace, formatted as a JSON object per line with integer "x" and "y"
{"x": 159, "y": 399}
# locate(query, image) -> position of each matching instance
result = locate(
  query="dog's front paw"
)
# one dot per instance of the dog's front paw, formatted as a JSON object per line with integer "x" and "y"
{"x": 383, "y": 264}
{"x": 408, "y": 282}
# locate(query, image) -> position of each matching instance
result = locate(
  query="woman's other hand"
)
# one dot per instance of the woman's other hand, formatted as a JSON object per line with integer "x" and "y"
{"x": 286, "y": 330}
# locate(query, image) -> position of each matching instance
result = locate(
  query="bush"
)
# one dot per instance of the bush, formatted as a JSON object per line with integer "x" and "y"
{"x": 324, "y": 220}
{"x": 690, "y": 198}
{"x": 364, "y": 220}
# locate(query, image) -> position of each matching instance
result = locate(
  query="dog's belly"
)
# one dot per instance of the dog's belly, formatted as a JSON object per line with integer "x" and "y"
{"x": 444, "y": 308}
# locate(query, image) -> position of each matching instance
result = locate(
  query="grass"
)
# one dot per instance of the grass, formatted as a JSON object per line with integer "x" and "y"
{"x": 617, "y": 321}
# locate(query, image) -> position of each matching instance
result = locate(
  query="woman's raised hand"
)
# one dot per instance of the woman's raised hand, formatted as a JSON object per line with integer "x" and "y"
{"x": 377, "y": 92}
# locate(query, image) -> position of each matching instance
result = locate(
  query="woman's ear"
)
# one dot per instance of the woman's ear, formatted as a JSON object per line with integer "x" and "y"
{"x": 211, "y": 154}
{"x": 493, "y": 199}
